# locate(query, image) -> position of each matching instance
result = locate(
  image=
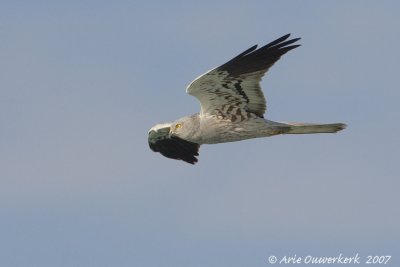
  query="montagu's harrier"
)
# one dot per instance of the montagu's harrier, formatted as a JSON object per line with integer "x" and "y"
{"x": 232, "y": 107}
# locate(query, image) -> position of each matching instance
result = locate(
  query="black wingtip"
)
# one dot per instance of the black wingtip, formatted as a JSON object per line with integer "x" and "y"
{"x": 288, "y": 48}
{"x": 280, "y": 43}
{"x": 277, "y": 41}
{"x": 251, "y": 49}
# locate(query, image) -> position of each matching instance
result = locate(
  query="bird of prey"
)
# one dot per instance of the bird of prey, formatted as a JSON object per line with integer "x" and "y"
{"x": 232, "y": 107}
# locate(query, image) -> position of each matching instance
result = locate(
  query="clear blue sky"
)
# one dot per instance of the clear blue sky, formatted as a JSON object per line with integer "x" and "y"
{"x": 81, "y": 82}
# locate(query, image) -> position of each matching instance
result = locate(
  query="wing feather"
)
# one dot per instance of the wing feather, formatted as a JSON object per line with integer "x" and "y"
{"x": 236, "y": 84}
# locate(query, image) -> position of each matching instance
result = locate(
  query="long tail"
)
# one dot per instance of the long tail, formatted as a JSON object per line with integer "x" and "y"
{"x": 310, "y": 128}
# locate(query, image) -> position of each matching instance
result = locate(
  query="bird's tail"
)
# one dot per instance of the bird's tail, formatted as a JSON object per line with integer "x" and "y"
{"x": 310, "y": 128}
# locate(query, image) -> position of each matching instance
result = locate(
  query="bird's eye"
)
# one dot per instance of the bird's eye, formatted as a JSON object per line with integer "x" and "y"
{"x": 178, "y": 126}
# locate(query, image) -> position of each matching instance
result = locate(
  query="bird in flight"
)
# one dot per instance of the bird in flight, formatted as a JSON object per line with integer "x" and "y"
{"x": 232, "y": 107}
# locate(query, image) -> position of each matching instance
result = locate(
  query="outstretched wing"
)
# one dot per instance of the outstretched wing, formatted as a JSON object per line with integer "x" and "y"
{"x": 171, "y": 146}
{"x": 233, "y": 89}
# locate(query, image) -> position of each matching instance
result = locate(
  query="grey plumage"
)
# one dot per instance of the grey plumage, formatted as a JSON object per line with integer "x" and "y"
{"x": 232, "y": 107}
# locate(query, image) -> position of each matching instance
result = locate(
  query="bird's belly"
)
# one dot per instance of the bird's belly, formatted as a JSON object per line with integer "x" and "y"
{"x": 221, "y": 131}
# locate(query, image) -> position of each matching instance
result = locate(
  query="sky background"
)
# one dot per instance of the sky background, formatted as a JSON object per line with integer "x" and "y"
{"x": 81, "y": 82}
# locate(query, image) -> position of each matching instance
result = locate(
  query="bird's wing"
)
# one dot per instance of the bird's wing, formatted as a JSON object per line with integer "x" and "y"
{"x": 172, "y": 147}
{"x": 234, "y": 87}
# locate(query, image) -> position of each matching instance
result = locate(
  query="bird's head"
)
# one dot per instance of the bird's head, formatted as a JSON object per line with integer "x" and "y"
{"x": 177, "y": 128}
{"x": 161, "y": 140}
{"x": 185, "y": 128}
